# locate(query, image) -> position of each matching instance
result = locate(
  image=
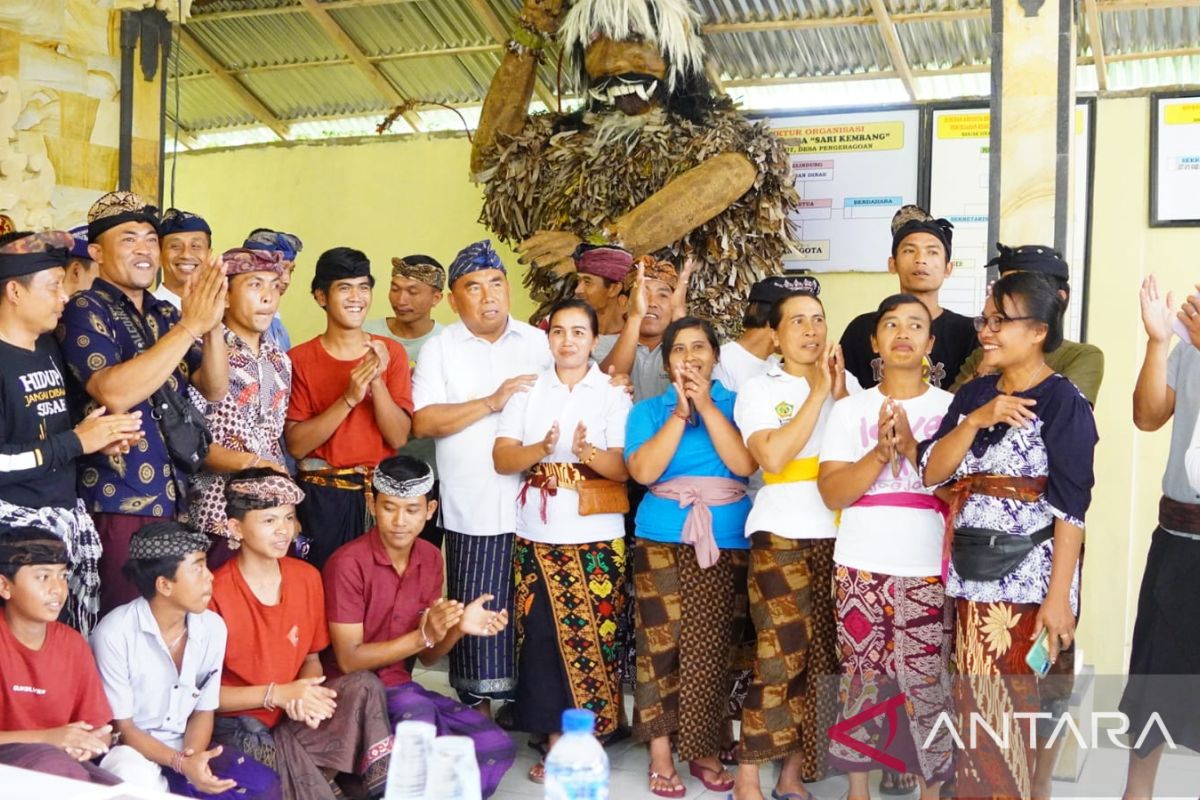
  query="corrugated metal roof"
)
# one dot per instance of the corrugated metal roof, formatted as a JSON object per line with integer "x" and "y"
{"x": 444, "y": 51}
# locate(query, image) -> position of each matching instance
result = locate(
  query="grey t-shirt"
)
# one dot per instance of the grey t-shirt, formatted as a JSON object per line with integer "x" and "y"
{"x": 649, "y": 378}
{"x": 417, "y": 448}
{"x": 1183, "y": 375}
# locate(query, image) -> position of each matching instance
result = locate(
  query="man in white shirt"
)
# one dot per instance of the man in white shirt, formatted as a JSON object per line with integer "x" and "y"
{"x": 753, "y": 353}
{"x": 185, "y": 242}
{"x": 464, "y": 379}
{"x": 160, "y": 662}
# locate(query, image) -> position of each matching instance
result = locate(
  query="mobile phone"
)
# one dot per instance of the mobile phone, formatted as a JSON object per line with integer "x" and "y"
{"x": 1179, "y": 329}
{"x": 1038, "y": 657}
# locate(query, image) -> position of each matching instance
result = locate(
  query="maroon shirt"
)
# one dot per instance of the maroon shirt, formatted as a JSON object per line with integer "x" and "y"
{"x": 362, "y": 586}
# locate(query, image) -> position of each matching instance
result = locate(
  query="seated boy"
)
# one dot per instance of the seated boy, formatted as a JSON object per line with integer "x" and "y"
{"x": 321, "y": 737}
{"x": 385, "y": 607}
{"x": 160, "y": 660}
{"x": 53, "y": 713}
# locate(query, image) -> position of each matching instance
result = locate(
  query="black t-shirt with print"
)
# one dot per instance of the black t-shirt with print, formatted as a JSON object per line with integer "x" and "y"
{"x": 955, "y": 339}
{"x": 37, "y": 447}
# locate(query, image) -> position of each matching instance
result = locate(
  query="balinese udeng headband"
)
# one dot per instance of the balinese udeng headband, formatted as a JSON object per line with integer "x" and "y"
{"x": 35, "y": 252}
{"x": 912, "y": 219}
{"x": 420, "y": 268}
{"x": 413, "y": 487}
{"x": 117, "y": 208}
{"x": 611, "y": 263}
{"x": 80, "y": 248}
{"x": 474, "y": 257}
{"x": 241, "y": 260}
{"x": 268, "y": 491}
{"x": 288, "y": 244}
{"x": 175, "y": 220}
{"x": 167, "y": 540}
{"x": 1030, "y": 258}
{"x": 654, "y": 270}
{"x": 46, "y": 550}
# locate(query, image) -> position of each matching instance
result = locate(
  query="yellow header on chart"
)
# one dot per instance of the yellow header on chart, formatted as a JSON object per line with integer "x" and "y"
{"x": 978, "y": 125}
{"x": 1182, "y": 114}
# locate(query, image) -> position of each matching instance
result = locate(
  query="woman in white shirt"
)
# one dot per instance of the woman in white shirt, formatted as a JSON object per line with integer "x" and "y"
{"x": 781, "y": 415}
{"x": 567, "y": 435}
{"x": 888, "y": 567}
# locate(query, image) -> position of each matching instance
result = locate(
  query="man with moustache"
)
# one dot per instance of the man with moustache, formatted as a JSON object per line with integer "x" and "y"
{"x": 122, "y": 345}
{"x": 600, "y": 273}
{"x": 465, "y": 377}
{"x": 350, "y": 406}
{"x": 185, "y": 242}
{"x": 247, "y": 425}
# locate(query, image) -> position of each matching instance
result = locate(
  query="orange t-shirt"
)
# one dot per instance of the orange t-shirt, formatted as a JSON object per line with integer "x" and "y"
{"x": 268, "y": 644}
{"x": 319, "y": 380}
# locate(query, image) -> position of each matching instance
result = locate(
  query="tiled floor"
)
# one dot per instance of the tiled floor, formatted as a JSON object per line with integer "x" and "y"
{"x": 1103, "y": 774}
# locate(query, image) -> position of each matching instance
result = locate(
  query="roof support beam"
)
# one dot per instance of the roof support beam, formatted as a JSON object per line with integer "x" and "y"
{"x": 247, "y": 98}
{"x": 407, "y": 55}
{"x": 360, "y": 60}
{"x": 496, "y": 28}
{"x": 891, "y": 40}
{"x": 1096, "y": 35}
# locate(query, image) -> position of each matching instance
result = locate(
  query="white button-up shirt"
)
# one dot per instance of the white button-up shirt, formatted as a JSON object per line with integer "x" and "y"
{"x": 456, "y": 366}
{"x": 140, "y": 678}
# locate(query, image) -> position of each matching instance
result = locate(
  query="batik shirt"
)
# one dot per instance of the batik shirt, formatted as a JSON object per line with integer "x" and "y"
{"x": 1059, "y": 445}
{"x": 141, "y": 482}
{"x": 249, "y": 419}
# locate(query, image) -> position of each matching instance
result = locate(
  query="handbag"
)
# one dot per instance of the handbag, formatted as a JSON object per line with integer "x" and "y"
{"x": 184, "y": 429}
{"x": 979, "y": 554}
{"x": 601, "y": 496}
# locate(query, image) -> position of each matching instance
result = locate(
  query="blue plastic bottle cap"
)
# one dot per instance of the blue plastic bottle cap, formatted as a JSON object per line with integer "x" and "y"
{"x": 578, "y": 720}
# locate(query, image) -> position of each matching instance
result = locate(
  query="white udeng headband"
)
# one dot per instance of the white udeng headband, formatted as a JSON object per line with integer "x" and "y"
{"x": 414, "y": 487}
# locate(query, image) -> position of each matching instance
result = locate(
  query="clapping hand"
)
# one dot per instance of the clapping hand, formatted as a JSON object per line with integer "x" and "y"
{"x": 480, "y": 621}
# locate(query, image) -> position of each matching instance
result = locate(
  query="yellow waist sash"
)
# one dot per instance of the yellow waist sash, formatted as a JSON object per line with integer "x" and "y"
{"x": 801, "y": 469}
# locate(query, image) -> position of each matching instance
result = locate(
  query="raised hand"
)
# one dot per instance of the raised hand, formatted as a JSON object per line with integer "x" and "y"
{"x": 679, "y": 296}
{"x": 203, "y": 303}
{"x": 885, "y": 450}
{"x": 1157, "y": 311}
{"x": 682, "y": 408}
{"x": 477, "y": 620}
{"x": 837, "y": 372}
{"x": 905, "y": 442}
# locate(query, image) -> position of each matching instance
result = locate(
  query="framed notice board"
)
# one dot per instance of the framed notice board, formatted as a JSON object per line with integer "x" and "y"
{"x": 1174, "y": 159}
{"x": 853, "y": 171}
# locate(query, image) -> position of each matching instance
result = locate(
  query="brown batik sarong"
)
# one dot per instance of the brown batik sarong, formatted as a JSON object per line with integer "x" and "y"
{"x": 994, "y": 684}
{"x": 685, "y": 641}
{"x": 793, "y": 696}
{"x": 356, "y": 742}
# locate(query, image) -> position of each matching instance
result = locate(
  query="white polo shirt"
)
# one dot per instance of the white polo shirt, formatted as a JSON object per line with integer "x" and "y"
{"x": 738, "y": 365}
{"x": 140, "y": 678}
{"x": 456, "y": 366}
{"x": 603, "y": 409}
{"x": 789, "y": 510}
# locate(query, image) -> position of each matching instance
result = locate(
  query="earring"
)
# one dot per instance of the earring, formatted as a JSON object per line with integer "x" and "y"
{"x": 233, "y": 544}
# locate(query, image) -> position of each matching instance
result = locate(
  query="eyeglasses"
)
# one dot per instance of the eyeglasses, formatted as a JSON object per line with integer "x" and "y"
{"x": 994, "y": 322}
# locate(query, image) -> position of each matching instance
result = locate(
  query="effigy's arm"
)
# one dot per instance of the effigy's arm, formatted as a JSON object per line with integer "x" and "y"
{"x": 506, "y": 106}
{"x": 684, "y": 204}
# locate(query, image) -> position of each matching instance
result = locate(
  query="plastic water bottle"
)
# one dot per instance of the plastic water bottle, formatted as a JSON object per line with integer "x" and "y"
{"x": 577, "y": 767}
{"x": 409, "y": 765}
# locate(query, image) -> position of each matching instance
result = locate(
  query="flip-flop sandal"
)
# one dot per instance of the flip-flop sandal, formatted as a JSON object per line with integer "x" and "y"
{"x": 778, "y": 795}
{"x": 537, "y": 773}
{"x": 676, "y": 790}
{"x": 892, "y": 786}
{"x": 728, "y": 754}
{"x": 701, "y": 773}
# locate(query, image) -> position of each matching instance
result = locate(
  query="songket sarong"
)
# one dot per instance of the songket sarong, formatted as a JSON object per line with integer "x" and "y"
{"x": 74, "y": 526}
{"x": 494, "y": 748}
{"x": 569, "y": 600}
{"x": 355, "y": 742}
{"x": 891, "y": 637}
{"x": 685, "y": 641}
{"x": 994, "y": 684}
{"x": 482, "y": 666}
{"x": 54, "y": 761}
{"x": 792, "y": 697}
{"x": 254, "y": 781}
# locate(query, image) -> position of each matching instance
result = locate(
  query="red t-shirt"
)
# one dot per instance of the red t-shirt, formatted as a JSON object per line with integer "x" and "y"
{"x": 363, "y": 587}
{"x": 268, "y": 644}
{"x": 54, "y": 686}
{"x": 319, "y": 380}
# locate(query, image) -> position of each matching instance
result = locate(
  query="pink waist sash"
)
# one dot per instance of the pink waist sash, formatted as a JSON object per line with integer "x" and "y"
{"x": 925, "y": 502}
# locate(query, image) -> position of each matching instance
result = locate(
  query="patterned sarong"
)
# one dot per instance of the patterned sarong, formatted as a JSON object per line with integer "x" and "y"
{"x": 482, "y": 666}
{"x": 891, "y": 636}
{"x": 355, "y": 742}
{"x": 685, "y": 641}
{"x": 54, "y": 761}
{"x": 792, "y": 699}
{"x": 994, "y": 683}
{"x": 78, "y": 533}
{"x": 569, "y": 600}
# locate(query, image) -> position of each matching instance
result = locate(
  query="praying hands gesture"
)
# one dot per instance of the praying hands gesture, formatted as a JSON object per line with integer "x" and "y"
{"x": 203, "y": 303}
{"x": 683, "y": 409}
{"x": 579, "y": 444}
{"x": 195, "y": 768}
{"x": 383, "y": 358}
{"x": 903, "y": 441}
{"x": 885, "y": 445}
{"x": 80, "y": 740}
{"x": 361, "y": 378}
{"x": 697, "y": 387}
{"x": 550, "y": 440}
{"x": 479, "y": 621}
{"x": 306, "y": 700}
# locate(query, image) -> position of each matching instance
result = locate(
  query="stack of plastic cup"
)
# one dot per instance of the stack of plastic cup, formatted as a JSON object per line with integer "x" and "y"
{"x": 453, "y": 771}
{"x": 409, "y": 767}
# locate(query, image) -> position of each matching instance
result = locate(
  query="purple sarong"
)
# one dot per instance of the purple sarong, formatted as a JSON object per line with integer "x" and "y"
{"x": 53, "y": 761}
{"x": 494, "y": 749}
{"x": 255, "y": 781}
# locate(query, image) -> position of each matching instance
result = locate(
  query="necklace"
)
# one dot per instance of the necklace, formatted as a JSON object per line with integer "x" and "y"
{"x": 171, "y": 647}
{"x": 1035, "y": 374}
